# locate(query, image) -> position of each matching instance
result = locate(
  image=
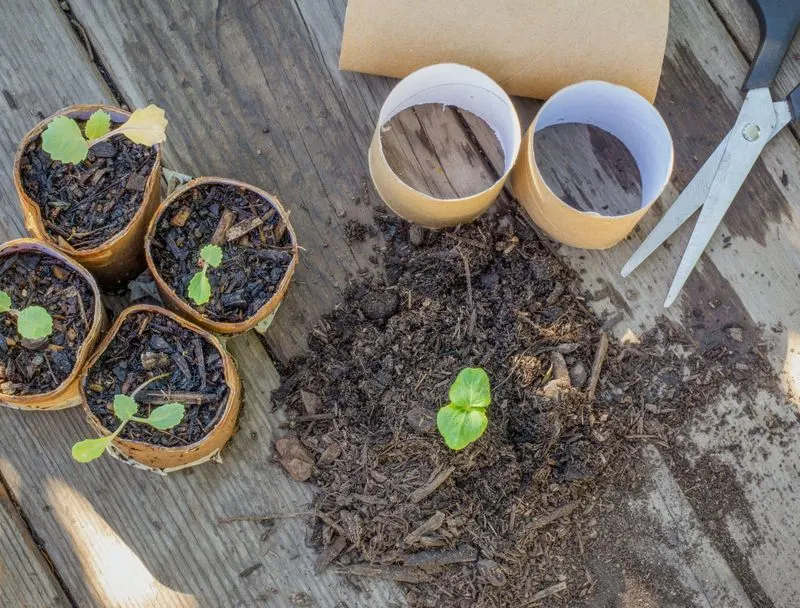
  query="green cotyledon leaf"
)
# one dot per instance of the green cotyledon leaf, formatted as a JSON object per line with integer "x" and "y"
{"x": 471, "y": 388}
{"x": 90, "y": 449}
{"x": 211, "y": 255}
{"x": 34, "y": 322}
{"x": 5, "y": 302}
{"x": 200, "y": 288}
{"x": 125, "y": 407}
{"x": 64, "y": 142}
{"x": 460, "y": 426}
{"x": 166, "y": 416}
{"x": 99, "y": 124}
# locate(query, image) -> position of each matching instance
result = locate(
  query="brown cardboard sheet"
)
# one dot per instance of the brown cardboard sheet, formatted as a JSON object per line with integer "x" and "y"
{"x": 529, "y": 47}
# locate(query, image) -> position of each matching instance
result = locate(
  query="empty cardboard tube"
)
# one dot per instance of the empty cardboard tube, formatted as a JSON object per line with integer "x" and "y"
{"x": 178, "y": 302}
{"x": 622, "y": 113}
{"x": 65, "y": 394}
{"x": 530, "y": 47}
{"x": 453, "y": 85}
{"x": 121, "y": 257}
{"x": 159, "y": 458}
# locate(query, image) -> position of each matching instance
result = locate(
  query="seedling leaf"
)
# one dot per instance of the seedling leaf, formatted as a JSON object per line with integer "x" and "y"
{"x": 211, "y": 255}
{"x": 146, "y": 126}
{"x": 125, "y": 407}
{"x": 90, "y": 449}
{"x": 460, "y": 426}
{"x": 34, "y": 322}
{"x": 5, "y": 302}
{"x": 200, "y": 288}
{"x": 63, "y": 141}
{"x": 471, "y": 389}
{"x": 166, "y": 416}
{"x": 99, "y": 124}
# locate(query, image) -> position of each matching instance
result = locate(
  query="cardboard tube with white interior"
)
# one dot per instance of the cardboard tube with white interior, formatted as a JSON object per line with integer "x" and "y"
{"x": 622, "y": 113}
{"x": 454, "y": 85}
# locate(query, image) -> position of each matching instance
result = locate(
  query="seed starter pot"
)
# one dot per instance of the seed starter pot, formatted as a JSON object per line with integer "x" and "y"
{"x": 66, "y": 393}
{"x": 119, "y": 258}
{"x": 154, "y": 455}
{"x": 176, "y": 212}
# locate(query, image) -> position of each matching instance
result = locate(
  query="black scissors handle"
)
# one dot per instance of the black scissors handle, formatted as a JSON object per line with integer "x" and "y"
{"x": 778, "y": 21}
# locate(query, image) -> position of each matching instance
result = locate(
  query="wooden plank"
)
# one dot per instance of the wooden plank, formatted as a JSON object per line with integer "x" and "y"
{"x": 26, "y": 579}
{"x": 28, "y": 72}
{"x": 118, "y": 536}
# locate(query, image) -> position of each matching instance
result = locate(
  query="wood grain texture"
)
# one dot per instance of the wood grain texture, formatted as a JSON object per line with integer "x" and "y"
{"x": 26, "y": 579}
{"x": 238, "y": 80}
{"x": 122, "y": 537}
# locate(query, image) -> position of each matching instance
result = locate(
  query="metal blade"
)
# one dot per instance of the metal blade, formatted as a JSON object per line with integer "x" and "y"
{"x": 689, "y": 201}
{"x": 746, "y": 140}
{"x": 693, "y": 196}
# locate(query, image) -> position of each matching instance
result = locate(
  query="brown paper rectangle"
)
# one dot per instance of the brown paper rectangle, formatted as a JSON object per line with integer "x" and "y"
{"x": 529, "y": 47}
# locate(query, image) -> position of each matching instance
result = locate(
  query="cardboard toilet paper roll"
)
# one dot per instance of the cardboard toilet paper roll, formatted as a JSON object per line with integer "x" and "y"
{"x": 529, "y": 47}
{"x": 631, "y": 119}
{"x": 454, "y": 85}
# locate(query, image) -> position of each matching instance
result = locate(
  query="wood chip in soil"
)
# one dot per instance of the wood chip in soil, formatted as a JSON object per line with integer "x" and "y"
{"x": 512, "y": 520}
{"x": 88, "y": 203}
{"x": 255, "y": 242}
{"x": 198, "y": 384}
{"x": 32, "y": 279}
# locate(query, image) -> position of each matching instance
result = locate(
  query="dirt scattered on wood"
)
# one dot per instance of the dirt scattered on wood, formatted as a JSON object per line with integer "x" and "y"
{"x": 511, "y": 520}
{"x": 88, "y": 203}
{"x": 148, "y": 345}
{"x": 29, "y": 367}
{"x": 256, "y": 245}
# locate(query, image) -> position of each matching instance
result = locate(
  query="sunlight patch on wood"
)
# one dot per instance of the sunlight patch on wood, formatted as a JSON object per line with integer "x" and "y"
{"x": 115, "y": 573}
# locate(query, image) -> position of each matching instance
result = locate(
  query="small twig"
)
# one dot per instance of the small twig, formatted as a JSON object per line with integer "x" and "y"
{"x": 470, "y": 301}
{"x": 545, "y": 593}
{"x": 422, "y": 493}
{"x": 597, "y": 365}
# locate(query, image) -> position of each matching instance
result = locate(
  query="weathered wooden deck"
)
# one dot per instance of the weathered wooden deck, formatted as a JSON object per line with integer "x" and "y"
{"x": 253, "y": 92}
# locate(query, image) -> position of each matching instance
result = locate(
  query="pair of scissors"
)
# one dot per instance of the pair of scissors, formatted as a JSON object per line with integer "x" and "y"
{"x": 720, "y": 178}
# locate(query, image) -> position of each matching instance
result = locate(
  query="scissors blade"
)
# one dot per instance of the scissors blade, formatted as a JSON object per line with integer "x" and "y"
{"x": 746, "y": 140}
{"x": 689, "y": 201}
{"x": 693, "y": 196}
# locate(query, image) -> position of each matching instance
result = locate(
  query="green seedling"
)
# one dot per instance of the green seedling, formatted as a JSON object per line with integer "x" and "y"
{"x": 464, "y": 419}
{"x": 33, "y": 322}
{"x": 162, "y": 418}
{"x": 199, "y": 286}
{"x": 63, "y": 140}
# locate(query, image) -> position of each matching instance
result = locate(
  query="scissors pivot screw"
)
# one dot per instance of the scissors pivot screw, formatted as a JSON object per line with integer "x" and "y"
{"x": 751, "y": 131}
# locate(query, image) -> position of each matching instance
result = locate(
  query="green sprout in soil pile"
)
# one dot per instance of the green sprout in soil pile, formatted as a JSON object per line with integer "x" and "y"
{"x": 464, "y": 419}
{"x": 64, "y": 142}
{"x": 162, "y": 418}
{"x": 33, "y": 322}
{"x": 199, "y": 286}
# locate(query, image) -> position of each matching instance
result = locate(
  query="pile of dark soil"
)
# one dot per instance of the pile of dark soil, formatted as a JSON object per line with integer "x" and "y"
{"x": 88, "y": 203}
{"x": 34, "y": 367}
{"x": 148, "y": 345}
{"x": 256, "y": 247}
{"x": 509, "y": 521}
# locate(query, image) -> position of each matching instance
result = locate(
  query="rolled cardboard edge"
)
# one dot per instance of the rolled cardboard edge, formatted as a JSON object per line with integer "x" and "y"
{"x": 159, "y": 457}
{"x": 179, "y": 304}
{"x": 67, "y": 393}
{"x": 118, "y": 259}
{"x": 625, "y": 114}
{"x": 454, "y": 85}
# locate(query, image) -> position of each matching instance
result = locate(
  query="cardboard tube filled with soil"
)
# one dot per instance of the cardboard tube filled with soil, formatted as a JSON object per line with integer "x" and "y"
{"x": 622, "y": 113}
{"x": 449, "y": 85}
{"x": 96, "y": 211}
{"x": 256, "y": 254}
{"x": 41, "y": 373}
{"x": 192, "y": 368}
